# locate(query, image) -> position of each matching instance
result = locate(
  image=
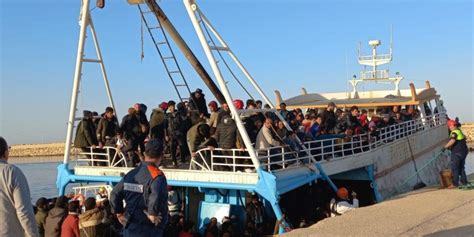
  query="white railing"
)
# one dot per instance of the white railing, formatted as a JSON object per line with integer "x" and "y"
{"x": 91, "y": 190}
{"x": 222, "y": 159}
{"x": 105, "y": 157}
{"x": 281, "y": 157}
{"x": 377, "y": 57}
{"x": 332, "y": 148}
{"x": 371, "y": 75}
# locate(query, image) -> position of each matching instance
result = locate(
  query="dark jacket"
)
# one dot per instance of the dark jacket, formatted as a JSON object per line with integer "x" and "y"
{"x": 352, "y": 121}
{"x": 106, "y": 129}
{"x": 200, "y": 104}
{"x": 85, "y": 134}
{"x": 328, "y": 119}
{"x": 143, "y": 123}
{"x": 226, "y": 131}
{"x": 54, "y": 220}
{"x": 143, "y": 188}
{"x": 157, "y": 124}
{"x": 40, "y": 218}
{"x": 130, "y": 126}
{"x": 90, "y": 223}
{"x": 177, "y": 124}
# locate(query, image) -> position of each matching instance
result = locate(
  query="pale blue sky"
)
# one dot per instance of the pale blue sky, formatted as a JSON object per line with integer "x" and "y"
{"x": 284, "y": 44}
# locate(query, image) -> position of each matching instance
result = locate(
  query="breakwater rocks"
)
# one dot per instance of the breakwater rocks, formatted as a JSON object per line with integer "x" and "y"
{"x": 37, "y": 150}
{"x": 468, "y": 130}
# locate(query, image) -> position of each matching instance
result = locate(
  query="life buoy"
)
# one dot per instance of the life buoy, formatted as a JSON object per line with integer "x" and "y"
{"x": 79, "y": 197}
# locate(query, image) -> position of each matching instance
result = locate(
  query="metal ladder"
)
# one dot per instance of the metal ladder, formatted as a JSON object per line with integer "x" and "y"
{"x": 170, "y": 63}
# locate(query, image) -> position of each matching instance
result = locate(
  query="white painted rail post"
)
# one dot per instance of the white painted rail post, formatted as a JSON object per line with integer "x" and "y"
{"x": 77, "y": 78}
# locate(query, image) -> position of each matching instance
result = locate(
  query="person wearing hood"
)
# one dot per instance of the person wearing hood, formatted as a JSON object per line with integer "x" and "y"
{"x": 41, "y": 214}
{"x": 85, "y": 133}
{"x": 157, "y": 122}
{"x": 55, "y": 218}
{"x": 177, "y": 125}
{"x": 90, "y": 222}
{"x": 199, "y": 102}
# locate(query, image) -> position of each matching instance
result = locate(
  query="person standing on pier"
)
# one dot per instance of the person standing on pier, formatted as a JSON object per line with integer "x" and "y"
{"x": 16, "y": 211}
{"x": 144, "y": 190}
{"x": 459, "y": 151}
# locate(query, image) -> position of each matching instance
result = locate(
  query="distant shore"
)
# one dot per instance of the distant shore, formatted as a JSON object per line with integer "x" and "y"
{"x": 37, "y": 150}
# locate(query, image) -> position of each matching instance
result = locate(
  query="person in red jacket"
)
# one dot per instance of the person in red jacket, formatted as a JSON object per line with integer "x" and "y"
{"x": 70, "y": 227}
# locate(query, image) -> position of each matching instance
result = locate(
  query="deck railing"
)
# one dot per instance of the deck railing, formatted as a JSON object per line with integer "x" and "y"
{"x": 377, "y": 57}
{"x": 282, "y": 157}
{"x": 105, "y": 157}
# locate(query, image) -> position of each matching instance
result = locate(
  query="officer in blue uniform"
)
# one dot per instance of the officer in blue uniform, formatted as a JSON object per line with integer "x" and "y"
{"x": 459, "y": 151}
{"x": 144, "y": 190}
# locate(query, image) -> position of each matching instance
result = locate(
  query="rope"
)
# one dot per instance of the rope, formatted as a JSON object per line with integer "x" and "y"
{"x": 418, "y": 178}
{"x": 142, "y": 55}
{"x": 222, "y": 57}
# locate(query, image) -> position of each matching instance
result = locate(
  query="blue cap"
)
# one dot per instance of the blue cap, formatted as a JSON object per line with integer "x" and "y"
{"x": 154, "y": 148}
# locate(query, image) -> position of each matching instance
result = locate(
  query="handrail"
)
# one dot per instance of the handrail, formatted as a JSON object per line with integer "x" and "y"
{"x": 102, "y": 157}
{"x": 282, "y": 157}
{"x": 378, "y": 56}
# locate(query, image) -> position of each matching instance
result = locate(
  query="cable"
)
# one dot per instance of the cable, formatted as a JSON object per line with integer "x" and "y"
{"x": 222, "y": 57}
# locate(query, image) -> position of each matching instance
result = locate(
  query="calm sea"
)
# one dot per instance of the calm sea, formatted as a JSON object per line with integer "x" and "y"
{"x": 42, "y": 177}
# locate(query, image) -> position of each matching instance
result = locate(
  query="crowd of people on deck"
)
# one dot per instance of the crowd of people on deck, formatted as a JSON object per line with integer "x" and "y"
{"x": 187, "y": 127}
{"x": 74, "y": 216}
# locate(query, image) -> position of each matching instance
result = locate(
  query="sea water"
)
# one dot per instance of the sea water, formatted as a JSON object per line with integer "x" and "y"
{"x": 42, "y": 177}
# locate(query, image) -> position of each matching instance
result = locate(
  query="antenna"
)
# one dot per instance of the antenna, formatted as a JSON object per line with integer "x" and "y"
{"x": 358, "y": 50}
{"x": 391, "y": 38}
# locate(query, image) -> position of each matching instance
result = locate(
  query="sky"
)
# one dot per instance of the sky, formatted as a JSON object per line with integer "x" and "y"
{"x": 285, "y": 45}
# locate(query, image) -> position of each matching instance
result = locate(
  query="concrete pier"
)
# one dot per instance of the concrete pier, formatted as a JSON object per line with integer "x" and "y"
{"x": 426, "y": 212}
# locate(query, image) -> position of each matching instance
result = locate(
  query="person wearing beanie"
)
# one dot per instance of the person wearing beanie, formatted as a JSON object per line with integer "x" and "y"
{"x": 212, "y": 121}
{"x": 341, "y": 204}
{"x": 86, "y": 133}
{"x": 42, "y": 212}
{"x": 198, "y": 102}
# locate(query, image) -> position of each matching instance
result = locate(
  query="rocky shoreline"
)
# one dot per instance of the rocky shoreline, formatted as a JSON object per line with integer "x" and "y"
{"x": 37, "y": 150}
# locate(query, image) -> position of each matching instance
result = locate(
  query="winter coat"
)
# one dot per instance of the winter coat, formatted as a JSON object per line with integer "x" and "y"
{"x": 328, "y": 120}
{"x": 70, "y": 226}
{"x": 352, "y": 121}
{"x": 143, "y": 123}
{"x": 54, "y": 220}
{"x": 157, "y": 124}
{"x": 226, "y": 131}
{"x": 194, "y": 138}
{"x": 200, "y": 104}
{"x": 106, "y": 128}
{"x": 130, "y": 126}
{"x": 85, "y": 134}
{"x": 90, "y": 223}
{"x": 177, "y": 124}
{"x": 40, "y": 217}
